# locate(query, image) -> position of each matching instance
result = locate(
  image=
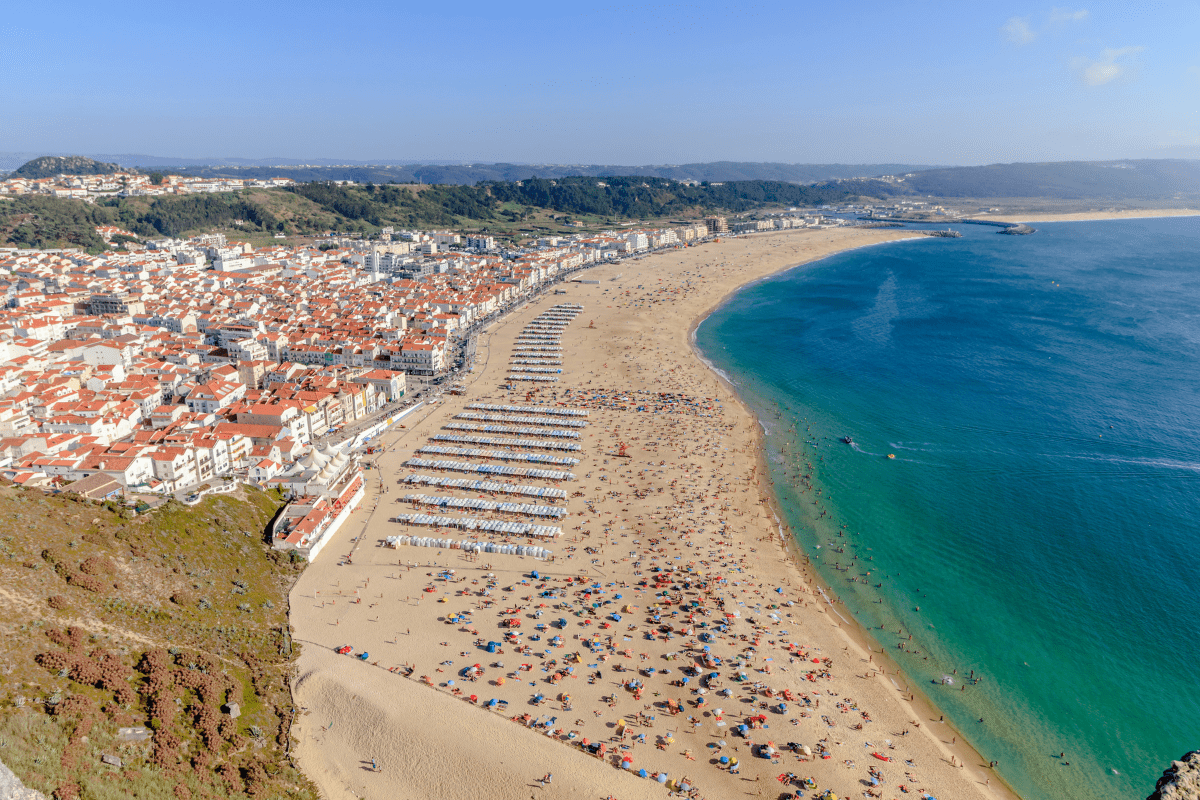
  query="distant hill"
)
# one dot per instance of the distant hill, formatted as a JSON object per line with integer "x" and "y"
{"x": 469, "y": 174}
{"x": 435, "y": 171}
{"x": 1157, "y": 179}
{"x": 49, "y": 166}
{"x": 1113, "y": 180}
{"x": 1072, "y": 180}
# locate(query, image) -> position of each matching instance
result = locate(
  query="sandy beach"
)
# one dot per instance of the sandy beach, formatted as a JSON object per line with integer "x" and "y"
{"x": 670, "y": 614}
{"x": 1095, "y": 216}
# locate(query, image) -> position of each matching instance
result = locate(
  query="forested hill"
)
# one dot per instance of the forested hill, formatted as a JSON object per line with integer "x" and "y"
{"x": 654, "y": 197}
{"x": 498, "y": 207}
{"x": 49, "y": 166}
{"x": 615, "y": 198}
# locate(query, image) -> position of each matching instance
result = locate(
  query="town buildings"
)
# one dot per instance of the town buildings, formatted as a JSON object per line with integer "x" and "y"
{"x": 188, "y": 362}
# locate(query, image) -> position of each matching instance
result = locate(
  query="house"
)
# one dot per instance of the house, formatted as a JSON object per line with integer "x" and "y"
{"x": 166, "y": 416}
{"x": 390, "y": 384}
{"x": 215, "y": 395}
{"x": 99, "y": 486}
{"x": 175, "y": 467}
{"x": 264, "y": 470}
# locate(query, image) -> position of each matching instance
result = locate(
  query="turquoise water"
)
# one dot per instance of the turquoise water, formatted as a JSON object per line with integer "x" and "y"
{"x": 1041, "y": 395}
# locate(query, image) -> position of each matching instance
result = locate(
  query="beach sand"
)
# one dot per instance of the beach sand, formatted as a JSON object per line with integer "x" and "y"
{"x": 1094, "y": 216}
{"x": 689, "y": 497}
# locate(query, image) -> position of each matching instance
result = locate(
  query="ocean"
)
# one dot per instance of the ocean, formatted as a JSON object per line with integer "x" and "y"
{"x": 1041, "y": 396}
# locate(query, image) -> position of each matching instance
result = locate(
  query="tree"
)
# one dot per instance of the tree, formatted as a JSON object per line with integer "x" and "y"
{"x": 157, "y": 178}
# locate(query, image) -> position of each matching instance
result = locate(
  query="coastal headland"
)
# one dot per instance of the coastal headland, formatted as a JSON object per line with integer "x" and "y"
{"x": 670, "y": 567}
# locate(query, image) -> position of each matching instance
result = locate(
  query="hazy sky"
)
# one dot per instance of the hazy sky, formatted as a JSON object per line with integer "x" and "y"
{"x": 617, "y": 83}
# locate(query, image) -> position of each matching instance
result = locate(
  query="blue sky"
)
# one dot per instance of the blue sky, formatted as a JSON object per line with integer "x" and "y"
{"x": 615, "y": 83}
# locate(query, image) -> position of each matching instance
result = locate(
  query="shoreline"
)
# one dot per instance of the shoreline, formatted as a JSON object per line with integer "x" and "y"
{"x": 1092, "y": 216}
{"x": 922, "y": 705}
{"x": 640, "y": 342}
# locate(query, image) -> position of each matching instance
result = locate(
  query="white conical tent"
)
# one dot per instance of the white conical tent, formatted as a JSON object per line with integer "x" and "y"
{"x": 315, "y": 460}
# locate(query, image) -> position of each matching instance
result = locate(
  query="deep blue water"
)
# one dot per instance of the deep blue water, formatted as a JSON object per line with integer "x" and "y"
{"x": 1041, "y": 395}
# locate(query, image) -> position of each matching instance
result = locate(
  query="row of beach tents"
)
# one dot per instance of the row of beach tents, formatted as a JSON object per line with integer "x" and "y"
{"x": 492, "y": 441}
{"x": 474, "y": 426}
{"x": 552, "y": 411}
{"x": 499, "y": 455}
{"x": 492, "y": 469}
{"x": 479, "y": 504}
{"x": 492, "y": 487}
{"x": 470, "y": 546}
{"x": 525, "y": 376}
{"x": 569, "y": 423}
{"x": 477, "y": 524}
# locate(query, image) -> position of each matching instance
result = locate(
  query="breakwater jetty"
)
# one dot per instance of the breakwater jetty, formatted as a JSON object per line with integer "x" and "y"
{"x": 1010, "y": 228}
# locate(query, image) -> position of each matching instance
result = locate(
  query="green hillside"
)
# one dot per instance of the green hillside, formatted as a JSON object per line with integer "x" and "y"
{"x": 114, "y": 621}
{"x": 49, "y": 166}
{"x": 609, "y": 199}
{"x": 500, "y": 207}
{"x": 46, "y": 223}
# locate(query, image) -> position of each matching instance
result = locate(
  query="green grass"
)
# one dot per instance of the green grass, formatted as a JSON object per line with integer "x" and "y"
{"x": 162, "y": 565}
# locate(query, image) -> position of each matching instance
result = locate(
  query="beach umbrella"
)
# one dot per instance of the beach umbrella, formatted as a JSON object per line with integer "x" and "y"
{"x": 662, "y": 777}
{"x": 724, "y": 760}
{"x": 642, "y": 773}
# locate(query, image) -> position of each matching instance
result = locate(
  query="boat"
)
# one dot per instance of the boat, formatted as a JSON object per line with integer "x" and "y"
{"x": 891, "y": 455}
{"x": 847, "y": 440}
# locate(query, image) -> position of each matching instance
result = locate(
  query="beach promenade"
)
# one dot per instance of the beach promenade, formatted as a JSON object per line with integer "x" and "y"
{"x": 669, "y": 615}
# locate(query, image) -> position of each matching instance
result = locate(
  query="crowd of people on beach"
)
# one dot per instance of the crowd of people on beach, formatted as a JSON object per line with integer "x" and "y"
{"x": 668, "y": 622}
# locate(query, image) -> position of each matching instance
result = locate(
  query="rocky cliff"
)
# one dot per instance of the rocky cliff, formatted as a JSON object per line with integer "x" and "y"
{"x": 11, "y": 787}
{"x": 1181, "y": 781}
